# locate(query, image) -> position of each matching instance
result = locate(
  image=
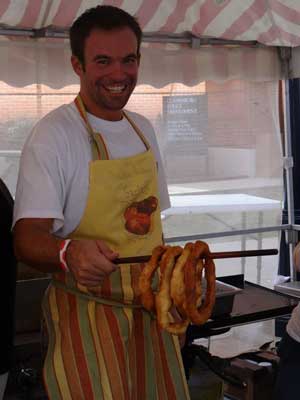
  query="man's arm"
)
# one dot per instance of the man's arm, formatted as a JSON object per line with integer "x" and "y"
{"x": 90, "y": 261}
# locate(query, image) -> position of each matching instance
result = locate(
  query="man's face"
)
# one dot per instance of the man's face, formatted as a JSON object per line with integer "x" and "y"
{"x": 110, "y": 71}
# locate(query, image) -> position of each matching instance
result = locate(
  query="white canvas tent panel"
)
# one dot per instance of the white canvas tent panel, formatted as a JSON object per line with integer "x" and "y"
{"x": 26, "y": 62}
{"x": 272, "y": 22}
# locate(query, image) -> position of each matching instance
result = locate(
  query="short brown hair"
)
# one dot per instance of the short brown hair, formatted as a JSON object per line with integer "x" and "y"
{"x": 101, "y": 17}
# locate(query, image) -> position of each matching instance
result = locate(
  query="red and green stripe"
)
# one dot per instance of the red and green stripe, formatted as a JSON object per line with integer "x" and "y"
{"x": 99, "y": 351}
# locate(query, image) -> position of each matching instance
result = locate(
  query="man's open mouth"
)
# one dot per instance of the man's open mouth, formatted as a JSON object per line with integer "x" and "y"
{"x": 116, "y": 89}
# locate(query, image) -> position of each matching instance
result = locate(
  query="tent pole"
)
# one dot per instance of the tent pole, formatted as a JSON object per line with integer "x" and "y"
{"x": 288, "y": 167}
{"x": 285, "y": 55}
{"x": 185, "y": 38}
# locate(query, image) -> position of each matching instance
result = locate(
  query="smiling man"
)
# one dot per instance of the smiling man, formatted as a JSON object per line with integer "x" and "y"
{"x": 108, "y": 71}
{"x": 91, "y": 187}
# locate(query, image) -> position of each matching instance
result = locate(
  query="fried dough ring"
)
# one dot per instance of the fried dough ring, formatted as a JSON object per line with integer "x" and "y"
{"x": 163, "y": 299}
{"x": 198, "y": 283}
{"x": 201, "y": 315}
{"x": 205, "y": 310}
{"x": 177, "y": 289}
{"x": 145, "y": 279}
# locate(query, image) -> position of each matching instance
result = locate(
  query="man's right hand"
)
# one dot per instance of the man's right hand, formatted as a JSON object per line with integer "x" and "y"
{"x": 90, "y": 261}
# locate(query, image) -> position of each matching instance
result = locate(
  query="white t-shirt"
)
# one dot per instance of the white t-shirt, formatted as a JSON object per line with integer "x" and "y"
{"x": 54, "y": 166}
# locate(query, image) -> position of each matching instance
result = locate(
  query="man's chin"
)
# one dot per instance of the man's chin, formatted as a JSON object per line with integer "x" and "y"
{"x": 115, "y": 100}
{"x": 116, "y": 104}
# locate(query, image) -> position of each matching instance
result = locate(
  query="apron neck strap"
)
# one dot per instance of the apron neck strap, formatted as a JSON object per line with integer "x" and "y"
{"x": 99, "y": 149}
{"x": 137, "y": 130}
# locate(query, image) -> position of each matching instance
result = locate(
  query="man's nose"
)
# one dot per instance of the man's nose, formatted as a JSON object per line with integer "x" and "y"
{"x": 117, "y": 71}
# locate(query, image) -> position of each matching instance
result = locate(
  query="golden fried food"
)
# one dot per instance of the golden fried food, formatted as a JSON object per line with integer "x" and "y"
{"x": 198, "y": 283}
{"x": 177, "y": 289}
{"x": 180, "y": 285}
{"x": 205, "y": 310}
{"x": 163, "y": 299}
{"x": 145, "y": 280}
{"x": 199, "y": 315}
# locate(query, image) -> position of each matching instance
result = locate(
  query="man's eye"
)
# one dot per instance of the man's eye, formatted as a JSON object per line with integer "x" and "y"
{"x": 130, "y": 60}
{"x": 102, "y": 61}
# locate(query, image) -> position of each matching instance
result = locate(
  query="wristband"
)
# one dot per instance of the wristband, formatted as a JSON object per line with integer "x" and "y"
{"x": 62, "y": 255}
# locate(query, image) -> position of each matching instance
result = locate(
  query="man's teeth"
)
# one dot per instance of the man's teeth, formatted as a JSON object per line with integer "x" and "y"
{"x": 116, "y": 89}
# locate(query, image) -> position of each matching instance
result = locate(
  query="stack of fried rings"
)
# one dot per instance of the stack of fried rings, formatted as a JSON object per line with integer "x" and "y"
{"x": 180, "y": 285}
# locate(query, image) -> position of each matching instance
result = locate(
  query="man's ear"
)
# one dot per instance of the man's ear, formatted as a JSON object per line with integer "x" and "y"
{"x": 77, "y": 65}
{"x": 139, "y": 59}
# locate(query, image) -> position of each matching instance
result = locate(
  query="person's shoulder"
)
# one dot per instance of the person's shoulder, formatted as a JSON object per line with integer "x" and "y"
{"x": 56, "y": 125}
{"x": 60, "y": 116}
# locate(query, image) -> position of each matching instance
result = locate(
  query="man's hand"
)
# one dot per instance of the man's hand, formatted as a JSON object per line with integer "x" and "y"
{"x": 90, "y": 261}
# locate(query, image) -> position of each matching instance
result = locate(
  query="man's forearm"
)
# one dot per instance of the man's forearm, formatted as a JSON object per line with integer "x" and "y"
{"x": 36, "y": 246}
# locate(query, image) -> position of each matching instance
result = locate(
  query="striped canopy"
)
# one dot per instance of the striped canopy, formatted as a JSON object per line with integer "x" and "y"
{"x": 271, "y": 22}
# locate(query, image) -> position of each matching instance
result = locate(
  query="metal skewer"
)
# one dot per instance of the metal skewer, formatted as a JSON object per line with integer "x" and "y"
{"x": 216, "y": 255}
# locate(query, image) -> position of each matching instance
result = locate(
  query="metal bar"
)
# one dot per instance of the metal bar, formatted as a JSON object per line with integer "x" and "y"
{"x": 16, "y": 32}
{"x": 215, "y": 255}
{"x": 228, "y": 233}
{"x": 288, "y": 168}
{"x": 296, "y": 227}
{"x": 10, "y": 153}
{"x": 243, "y": 241}
{"x": 195, "y": 42}
{"x": 259, "y": 245}
{"x": 240, "y": 320}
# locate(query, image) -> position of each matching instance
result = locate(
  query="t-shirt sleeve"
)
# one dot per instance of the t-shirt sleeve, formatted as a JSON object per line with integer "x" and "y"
{"x": 40, "y": 192}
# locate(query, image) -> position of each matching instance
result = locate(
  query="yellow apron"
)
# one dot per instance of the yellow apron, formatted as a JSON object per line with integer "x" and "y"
{"x": 102, "y": 344}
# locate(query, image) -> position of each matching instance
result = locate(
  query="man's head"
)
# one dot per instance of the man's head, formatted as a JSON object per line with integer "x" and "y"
{"x": 105, "y": 44}
{"x": 106, "y": 18}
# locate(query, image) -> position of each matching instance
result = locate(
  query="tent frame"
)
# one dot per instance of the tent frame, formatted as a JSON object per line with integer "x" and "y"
{"x": 193, "y": 41}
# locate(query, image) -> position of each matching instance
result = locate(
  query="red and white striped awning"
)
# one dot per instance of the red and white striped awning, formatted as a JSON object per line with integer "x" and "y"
{"x": 271, "y": 22}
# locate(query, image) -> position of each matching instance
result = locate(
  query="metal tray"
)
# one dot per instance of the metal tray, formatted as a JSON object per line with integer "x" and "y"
{"x": 225, "y": 294}
{"x": 29, "y": 294}
{"x": 292, "y": 288}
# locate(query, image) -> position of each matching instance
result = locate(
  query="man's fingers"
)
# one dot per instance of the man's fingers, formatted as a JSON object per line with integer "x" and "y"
{"x": 92, "y": 277}
{"x": 106, "y": 251}
{"x": 103, "y": 266}
{"x": 90, "y": 261}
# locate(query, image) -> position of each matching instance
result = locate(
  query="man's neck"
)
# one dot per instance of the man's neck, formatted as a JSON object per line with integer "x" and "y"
{"x": 94, "y": 109}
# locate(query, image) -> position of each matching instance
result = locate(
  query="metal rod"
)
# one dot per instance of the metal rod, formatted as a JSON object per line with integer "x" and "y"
{"x": 227, "y": 233}
{"x": 215, "y": 255}
{"x": 288, "y": 165}
{"x": 147, "y": 37}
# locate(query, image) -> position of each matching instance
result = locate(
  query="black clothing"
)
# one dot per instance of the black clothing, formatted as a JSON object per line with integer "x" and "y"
{"x": 7, "y": 280}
